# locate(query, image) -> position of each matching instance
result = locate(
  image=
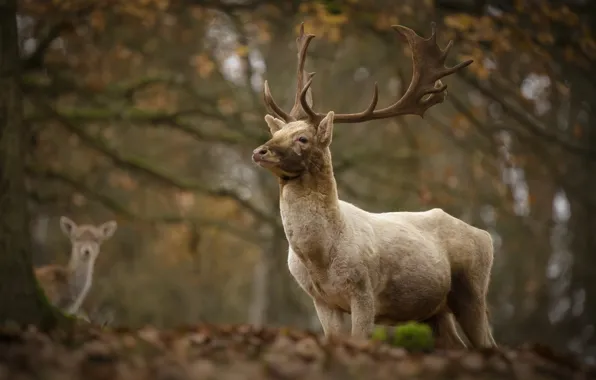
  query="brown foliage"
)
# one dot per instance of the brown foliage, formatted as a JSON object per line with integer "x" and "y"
{"x": 245, "y": 352}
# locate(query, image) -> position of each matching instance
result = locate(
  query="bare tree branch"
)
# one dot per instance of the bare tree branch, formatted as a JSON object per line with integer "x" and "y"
{"x": 141, "y": 166}
{"x": 120, "y": 209}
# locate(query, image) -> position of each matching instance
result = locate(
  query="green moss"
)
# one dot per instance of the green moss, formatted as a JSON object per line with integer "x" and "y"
{"x": 412, "y": 336}
{"x": 380, "y": 334}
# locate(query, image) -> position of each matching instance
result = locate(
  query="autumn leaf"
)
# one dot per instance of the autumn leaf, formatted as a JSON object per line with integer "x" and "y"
{"x": 122, "y": 180}
{"x": 578, "y": 131}
{"x": 226, "y": 105}
{"x": 98, "y": 20}
{"x": 545, "y": 38}
{"x": 461, "y": 22}
{"x": 334, "y": 34}
{"x": 203, "y": 65}
{"x": 242, "y": 50}
{"x": 460, "y": 121}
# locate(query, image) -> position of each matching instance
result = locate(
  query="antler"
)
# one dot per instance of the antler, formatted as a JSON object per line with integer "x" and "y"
{"x": 425, "y": 89}
{"x": 303, "y": 95}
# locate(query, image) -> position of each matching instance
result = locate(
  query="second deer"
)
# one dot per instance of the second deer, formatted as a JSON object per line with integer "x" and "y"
{"x": 67, "y": 286}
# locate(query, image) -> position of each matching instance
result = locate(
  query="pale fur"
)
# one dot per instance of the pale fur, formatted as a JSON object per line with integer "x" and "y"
{"x": 379, "y": 267}
{"x": 67, "y": 286}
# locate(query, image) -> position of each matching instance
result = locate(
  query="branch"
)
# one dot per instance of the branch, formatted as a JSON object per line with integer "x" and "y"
{"x": 120, "y": 209}
{"x": 532, "y": 125}
{"x": 35, "y": 59}
{"x": 228, "y": 7}
{"x": 138, "y": 165}
{"x": 135, "y": 115}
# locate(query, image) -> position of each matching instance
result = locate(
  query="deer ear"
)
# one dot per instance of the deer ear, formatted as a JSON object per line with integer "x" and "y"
{"x": 274, "y": 123}
{"x": 325, "y": 129}
{"x": 67, "y": 226}
{"x": 107, "y": 229}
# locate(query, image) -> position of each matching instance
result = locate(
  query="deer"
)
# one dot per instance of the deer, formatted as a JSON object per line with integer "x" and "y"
{"x": 66, "y": 287}
{"x": 378, "y": 268}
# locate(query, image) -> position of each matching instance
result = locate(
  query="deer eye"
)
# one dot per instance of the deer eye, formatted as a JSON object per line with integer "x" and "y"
{"x": 303, "y": 139}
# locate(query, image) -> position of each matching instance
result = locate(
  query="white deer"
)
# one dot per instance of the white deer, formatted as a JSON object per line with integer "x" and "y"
{"x": 67, "y": 286}
{"x": 382, "y": 268}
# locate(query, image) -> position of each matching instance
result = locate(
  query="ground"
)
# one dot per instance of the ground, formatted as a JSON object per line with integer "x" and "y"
{"x": 244, "y": 352}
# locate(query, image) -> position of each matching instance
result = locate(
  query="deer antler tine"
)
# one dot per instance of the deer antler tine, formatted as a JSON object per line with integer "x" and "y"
{"x": 425, "y": 88}
{"x": 404, "y": 31}
{"x": 446, "y": 51}
{"x": 433, "y": 34}
{"x": 457, "y": 67}
{"x": 435, "y": 90}
{"x": 302, "y": 42}
{"x": 373, "y": 103}
{"x": 312, "y": 115}
{"x": 272, "y": 106}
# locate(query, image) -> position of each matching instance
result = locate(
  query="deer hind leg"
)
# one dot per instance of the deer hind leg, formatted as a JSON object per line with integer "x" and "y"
{"x": 444, "y": 330}
{"x": 467, "y": 300}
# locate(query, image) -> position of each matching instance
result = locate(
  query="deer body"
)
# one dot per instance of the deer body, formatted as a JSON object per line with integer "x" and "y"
{"x": 378, "y": 267}
{"x": 66, "y": 287}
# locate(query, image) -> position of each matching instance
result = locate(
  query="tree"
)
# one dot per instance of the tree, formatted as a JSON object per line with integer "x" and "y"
{"x": 22, "y": 300}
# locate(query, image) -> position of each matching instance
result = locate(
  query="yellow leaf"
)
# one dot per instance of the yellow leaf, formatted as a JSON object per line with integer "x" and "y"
{"x": 545, "y": 38}
{"x": 333, "y": 19}
{"x": 334, "y": 34}
{"x": 461, "y": 22}
{"x": 460, "y": 121}
{"x": 242, "y": 50}
{"x": 481, "y": 72}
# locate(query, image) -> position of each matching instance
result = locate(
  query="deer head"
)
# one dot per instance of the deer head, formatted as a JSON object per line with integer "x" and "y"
{"x": 86, "y": 240}
{"x": 301, "y": 138}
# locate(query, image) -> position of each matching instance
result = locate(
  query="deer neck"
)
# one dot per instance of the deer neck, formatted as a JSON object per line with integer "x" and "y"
{"x": 310, "y": 213}
{"x": 80, "y": 280}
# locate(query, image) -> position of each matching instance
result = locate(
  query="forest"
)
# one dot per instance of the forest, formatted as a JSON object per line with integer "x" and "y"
{"x": 145, "y": 114}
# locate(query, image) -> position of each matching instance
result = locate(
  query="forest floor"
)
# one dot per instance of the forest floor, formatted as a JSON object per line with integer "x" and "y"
{"x": 244, "y": 352}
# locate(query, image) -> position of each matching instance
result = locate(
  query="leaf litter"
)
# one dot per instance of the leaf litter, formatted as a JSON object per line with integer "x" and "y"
{"x": 237, "y": 352}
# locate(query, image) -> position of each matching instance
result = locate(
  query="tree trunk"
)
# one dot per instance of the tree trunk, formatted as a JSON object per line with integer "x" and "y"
{"x": 21, "y": 298}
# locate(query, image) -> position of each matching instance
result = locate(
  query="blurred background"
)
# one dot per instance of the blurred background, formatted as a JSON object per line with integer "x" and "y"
{"x": 146, "y": 111}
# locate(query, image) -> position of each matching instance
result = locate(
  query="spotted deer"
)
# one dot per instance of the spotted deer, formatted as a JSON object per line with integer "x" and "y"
{"x": 383, "y": 268}
{"x": 67, "y": 286}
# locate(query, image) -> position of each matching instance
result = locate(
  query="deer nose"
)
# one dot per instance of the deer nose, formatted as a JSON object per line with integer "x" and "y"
{"x": 260, "y": 153}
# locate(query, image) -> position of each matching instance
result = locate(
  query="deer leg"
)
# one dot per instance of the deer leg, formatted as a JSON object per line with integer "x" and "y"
{"x": 331, "y": 319}
{"x": 468, "y": 303}
{"x": 444, "y": 330}
{"x": 363, "y": 315}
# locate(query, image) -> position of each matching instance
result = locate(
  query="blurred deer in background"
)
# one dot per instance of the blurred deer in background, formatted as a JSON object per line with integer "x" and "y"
{"x": 67, "y": 286}
{"x": 382, "y": 268}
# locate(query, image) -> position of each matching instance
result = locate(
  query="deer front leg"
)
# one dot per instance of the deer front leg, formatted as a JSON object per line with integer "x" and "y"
{"x": 363, "y": 315}
{"x": 331, "y": 319}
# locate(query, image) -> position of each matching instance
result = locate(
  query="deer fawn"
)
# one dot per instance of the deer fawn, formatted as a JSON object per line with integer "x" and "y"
{"x": 67, "y": 286}
{"x": 378, "y": 267}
